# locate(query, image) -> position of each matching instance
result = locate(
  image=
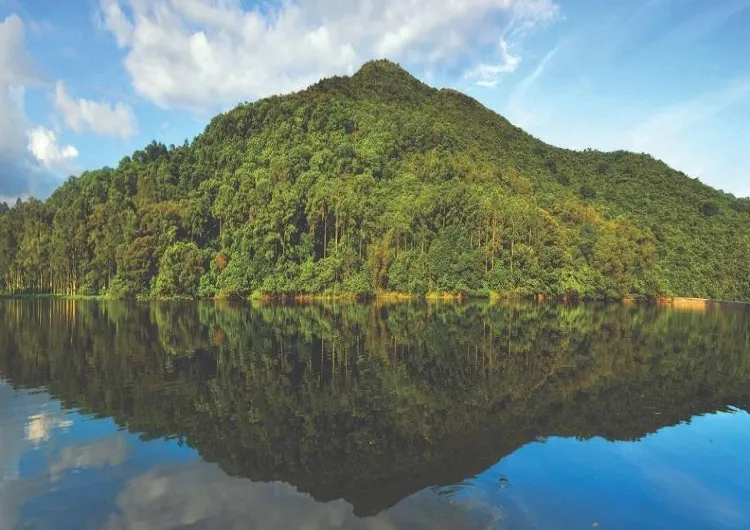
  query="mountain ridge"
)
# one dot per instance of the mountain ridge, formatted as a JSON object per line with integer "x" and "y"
{"x": 378, "y": 182}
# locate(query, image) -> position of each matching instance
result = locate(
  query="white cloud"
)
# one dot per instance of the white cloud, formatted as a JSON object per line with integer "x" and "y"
{"x": 670, "y": 122}
{"x": 16, "y": 70}
{"x": 488, "y": 75}
{"x": 17, "y": 66}
{"x": 43, "y": 145}
{"x": 696, "y": 136}
{"x": 517, "y": 110}
{"x": 21, "y": 174}
{"x": 100, "y": 117}
{"x": 200, "y": 54}
{"x": 116, "y": 21}
{"x": 10, "y": 200}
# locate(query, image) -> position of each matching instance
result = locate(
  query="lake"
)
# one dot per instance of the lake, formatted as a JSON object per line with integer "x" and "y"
{"x": 373, "y": 416}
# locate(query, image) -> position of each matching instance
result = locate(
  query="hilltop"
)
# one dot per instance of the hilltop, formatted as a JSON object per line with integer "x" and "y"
{"x": 378, "y": 183}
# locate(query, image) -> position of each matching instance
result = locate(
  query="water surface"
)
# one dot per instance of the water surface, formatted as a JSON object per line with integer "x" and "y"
{"x": 160, "y": 416}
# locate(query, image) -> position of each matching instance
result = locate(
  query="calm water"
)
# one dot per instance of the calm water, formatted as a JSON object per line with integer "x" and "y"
{"x": 160, "y": 416}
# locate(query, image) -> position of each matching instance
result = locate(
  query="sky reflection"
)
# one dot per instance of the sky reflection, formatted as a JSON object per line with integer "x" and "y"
{"x": 693, "y": 475}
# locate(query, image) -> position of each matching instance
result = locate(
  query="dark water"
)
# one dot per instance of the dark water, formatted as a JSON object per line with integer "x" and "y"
{"x": 160, "y": 416}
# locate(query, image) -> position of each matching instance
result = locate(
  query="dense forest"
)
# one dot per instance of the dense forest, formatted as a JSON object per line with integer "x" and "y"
{"x": 377, "y": 183}
{"x": 375, "y": 402}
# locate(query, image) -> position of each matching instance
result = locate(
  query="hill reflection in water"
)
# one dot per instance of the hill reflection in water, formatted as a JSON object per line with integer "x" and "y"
{"x": 373, "y": 403}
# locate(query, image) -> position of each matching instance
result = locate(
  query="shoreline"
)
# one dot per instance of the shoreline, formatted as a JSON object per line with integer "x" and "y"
{"x": 680, "y": 302}
{"x": 675, "y": 302}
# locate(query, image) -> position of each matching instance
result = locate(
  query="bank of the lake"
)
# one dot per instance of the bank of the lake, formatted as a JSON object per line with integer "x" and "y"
{"x": 395, "y": 296}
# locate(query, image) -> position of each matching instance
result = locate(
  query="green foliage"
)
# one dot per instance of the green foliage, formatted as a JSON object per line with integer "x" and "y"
{"x": 587, "y": 192}
{"x": 374, "y": 183}
{"x": 180, "y": 271}
{"x": 709, "y": 209}
{"x": 453, "y": 264}
{"x": 741, "y": 205}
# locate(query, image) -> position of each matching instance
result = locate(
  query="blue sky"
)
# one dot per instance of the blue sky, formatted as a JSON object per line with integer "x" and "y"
{"x": 85, "y": 82}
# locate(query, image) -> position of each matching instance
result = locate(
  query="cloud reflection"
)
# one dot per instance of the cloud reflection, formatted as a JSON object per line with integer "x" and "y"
{"x": 202, "y": 496}
{"x": 97, "y": 455}
{"x": 39, "y": 427}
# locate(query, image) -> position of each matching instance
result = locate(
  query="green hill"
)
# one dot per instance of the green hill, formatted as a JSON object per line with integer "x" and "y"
{"x": 374, "y": 183}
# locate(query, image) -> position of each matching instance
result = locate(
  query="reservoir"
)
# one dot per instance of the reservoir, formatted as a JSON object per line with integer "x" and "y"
{"x": 373, "y": 416}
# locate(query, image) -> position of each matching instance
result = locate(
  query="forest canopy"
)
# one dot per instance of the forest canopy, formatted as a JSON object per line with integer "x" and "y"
{"x": 377, "y": 183}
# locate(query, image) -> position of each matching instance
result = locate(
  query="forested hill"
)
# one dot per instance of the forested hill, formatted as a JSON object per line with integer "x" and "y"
{"x": 374, "y": 183}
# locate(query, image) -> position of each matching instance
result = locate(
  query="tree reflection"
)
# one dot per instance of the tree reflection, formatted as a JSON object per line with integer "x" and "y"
{"x": 371, "y": 403}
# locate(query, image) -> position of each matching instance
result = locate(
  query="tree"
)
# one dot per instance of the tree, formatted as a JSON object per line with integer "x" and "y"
{"x": 180, "y": 271}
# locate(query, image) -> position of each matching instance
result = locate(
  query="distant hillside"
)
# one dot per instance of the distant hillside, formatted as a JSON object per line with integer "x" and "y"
{"x": 373, "y": 183}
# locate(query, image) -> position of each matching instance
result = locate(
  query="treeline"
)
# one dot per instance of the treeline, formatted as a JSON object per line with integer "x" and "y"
{"x": 375, "y": 402}
{"x": 370, "y": 184}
